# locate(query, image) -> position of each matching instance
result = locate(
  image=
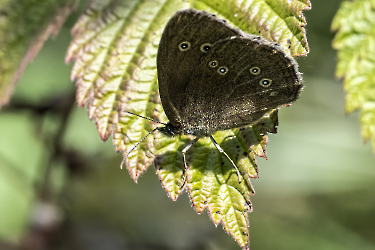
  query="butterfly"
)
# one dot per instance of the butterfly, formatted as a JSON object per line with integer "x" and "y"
{"x": 213, "y": 77}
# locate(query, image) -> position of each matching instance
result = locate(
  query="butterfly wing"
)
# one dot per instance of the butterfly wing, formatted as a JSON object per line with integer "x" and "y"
{"x": 175, "y": 66}
{"x": 237, "y": 82}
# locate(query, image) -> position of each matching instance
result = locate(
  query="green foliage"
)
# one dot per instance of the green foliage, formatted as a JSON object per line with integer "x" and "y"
{"x": 24, "y": 26}
{"x": 355, "y": 42}
{"x": 115, "y": 45}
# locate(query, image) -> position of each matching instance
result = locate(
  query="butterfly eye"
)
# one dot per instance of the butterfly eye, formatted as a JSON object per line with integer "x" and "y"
{"x": 255, "y": 70}
{"x": 184, "y": 46}
{"x": 222, "y": 70}
{"x": 265, "y": 82}
{"x": 205, "y": 47}
{"x": 213, "y": 64}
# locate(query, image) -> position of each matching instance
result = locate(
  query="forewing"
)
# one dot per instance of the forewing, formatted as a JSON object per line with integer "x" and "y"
{"x": 175, "y": 67}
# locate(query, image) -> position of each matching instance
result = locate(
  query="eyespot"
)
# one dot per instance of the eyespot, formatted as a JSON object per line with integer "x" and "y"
{"x": 213, "y": 64}
{"x": 265, "y": 82}
{"x": 255, "y": 70}
{"x": 205, "y": 47}
{"x": 274, "y": 93}
{"x": 184, "y": 46}
{"x": 222, "y": 70}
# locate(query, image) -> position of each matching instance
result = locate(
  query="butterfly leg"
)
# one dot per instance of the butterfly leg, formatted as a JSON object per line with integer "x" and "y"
{"x": 186, "y": 167}
{"x": 223, "y": 152}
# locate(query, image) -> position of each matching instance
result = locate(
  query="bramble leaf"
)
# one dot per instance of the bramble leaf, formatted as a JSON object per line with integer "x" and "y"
{"x": 115, "y": 45}
{"x": 280, "y": 21}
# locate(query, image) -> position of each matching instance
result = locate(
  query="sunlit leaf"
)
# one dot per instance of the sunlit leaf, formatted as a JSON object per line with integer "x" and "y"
{"x": 280, "y": 21}
{"x": 355, "y": 42}
{"x": 24, "y": 26}
{"x": 114, "y": 47}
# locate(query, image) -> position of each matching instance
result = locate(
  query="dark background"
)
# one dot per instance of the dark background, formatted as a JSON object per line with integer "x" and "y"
{"x": 315, "y": 191}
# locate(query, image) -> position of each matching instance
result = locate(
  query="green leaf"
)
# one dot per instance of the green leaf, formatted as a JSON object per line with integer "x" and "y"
{"x": 355, "y": 42}
{"x": 24, "y": 26}
{"x": 280, "y": 21}
{"x": 115, "y": 45}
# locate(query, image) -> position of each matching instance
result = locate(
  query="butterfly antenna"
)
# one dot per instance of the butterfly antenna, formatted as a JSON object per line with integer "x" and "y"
{"x": 144, "y": 117}
{"x": 136, "y": 145}
{"x": 223, "y": 152}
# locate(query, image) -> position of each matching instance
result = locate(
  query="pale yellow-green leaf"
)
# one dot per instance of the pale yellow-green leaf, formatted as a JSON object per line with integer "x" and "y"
{"x": 355, "y": 42}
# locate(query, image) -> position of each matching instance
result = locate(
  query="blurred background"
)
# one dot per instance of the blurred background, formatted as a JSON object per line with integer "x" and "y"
{"x": 61, "y": 187}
